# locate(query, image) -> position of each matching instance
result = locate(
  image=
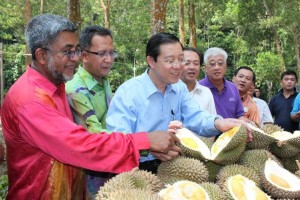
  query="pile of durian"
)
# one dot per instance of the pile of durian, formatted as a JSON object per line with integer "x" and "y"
{"x": 228, "y": 168}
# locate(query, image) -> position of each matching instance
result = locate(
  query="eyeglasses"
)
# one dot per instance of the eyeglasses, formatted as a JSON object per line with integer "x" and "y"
{"x": 102, "y": 54}
{"x": 70, "y": 54}
{"x": 172, "y": 63}
{"x": 214, "y": 64}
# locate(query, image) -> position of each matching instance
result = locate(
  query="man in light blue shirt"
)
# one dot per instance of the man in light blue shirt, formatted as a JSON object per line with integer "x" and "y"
{"x": 157, "y": 97}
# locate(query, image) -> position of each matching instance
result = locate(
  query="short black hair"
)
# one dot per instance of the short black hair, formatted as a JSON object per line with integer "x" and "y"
{"x": 194, "y": 50}
{"x": 158, "y": 39}
{"x": 289, "y": 72}
{"x": 89, "y": 32}
{"x": 247, "y": 68}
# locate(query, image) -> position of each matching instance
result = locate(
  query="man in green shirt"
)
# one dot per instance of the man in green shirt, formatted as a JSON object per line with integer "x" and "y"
{"x": 89, "y": 92}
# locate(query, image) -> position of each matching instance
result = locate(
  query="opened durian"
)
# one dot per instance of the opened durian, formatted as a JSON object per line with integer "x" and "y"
{"x": 226, "y": 149}
{"x": 279, "y": 182}
{"x": 234, "y": 169}
{"x": 287, "y": 144}
{"x": 184, "y": 190}
{"x": 241, "y": 188}
{"x": 182, "y": 168}
{"x": 261, "y": 139}
{"x": 291, "y": 164}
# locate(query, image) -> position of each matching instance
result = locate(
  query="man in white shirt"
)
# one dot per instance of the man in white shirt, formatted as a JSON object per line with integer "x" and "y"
{"x": 263, "y": 108}
{"x": 201, "y": 94}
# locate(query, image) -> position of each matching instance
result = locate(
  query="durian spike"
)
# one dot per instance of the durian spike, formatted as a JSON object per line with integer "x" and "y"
{"x": 298, "y": 164}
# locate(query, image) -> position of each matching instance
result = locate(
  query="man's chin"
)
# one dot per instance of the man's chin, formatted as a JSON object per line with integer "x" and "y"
{"x": 68, "y": 78}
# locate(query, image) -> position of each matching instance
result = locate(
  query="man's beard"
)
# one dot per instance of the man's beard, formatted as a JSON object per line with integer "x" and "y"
{"x": 59, "y": 77}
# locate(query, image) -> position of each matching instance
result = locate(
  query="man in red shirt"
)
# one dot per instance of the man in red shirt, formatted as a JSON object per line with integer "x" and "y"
{"x": 46, "y": 151}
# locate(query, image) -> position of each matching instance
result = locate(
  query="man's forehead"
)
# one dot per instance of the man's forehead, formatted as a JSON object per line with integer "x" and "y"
{"x": 216, "y": 58}
{"x": 289, "y": 76}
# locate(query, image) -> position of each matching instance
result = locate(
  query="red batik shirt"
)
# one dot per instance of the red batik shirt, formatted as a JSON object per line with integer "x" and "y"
{"x": 46, "y": 150}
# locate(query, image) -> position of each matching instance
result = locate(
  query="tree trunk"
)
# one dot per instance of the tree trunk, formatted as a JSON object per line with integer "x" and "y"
{"x": 74, "y": 12}
{"x": 192, "y": 24}
{"x": 27, "y": 17}
{"x": 181, "y": 22}
{"x": 269, "y": 13}
{"x": 158, "y": 16}
{"x": 42, "y": 7}
{"x": 106, "y": 8}
{"x": 296, "y": 47}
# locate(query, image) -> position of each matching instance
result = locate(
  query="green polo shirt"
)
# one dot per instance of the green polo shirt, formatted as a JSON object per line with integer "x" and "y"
{"x": 88, "y": 100}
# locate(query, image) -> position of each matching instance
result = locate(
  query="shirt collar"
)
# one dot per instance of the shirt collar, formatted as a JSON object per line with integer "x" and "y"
{"x": 209, "y": 84}
{"x": 42, "y": 82}
{"x": 197, "y": 88}
{"x": 149, "y": 86}
{"x": 88, "y": 79}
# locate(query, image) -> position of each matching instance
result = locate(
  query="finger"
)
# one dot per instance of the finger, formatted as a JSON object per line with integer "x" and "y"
{"x": 166, "y": 157}
{"x": 173, "y": 154}
{"x": 175, "y": 139}
{"x": 176, "y": 148}
{"x": 161, "y": 156}
{"x": 173, "y": 131}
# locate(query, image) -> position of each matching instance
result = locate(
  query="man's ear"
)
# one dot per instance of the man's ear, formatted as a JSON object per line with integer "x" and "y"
{"x": 84, "y": 58}
{"x": 40, "y": 55}
{"x": 150, "y": 61}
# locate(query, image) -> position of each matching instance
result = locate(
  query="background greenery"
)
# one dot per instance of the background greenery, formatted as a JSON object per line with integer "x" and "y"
{"x": 247, "y": 30}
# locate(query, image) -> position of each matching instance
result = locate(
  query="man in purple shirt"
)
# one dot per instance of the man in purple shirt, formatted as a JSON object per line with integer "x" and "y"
{"x": 225, "y": 93}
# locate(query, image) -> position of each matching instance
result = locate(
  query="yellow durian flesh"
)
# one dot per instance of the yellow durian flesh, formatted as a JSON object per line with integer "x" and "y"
{"x": 222, "y": 141}
{"x": 184, "y": 190}
{"x": 241, "y": 188}
{"x": 191, "y": 141}
{"x": 280, "y": 177}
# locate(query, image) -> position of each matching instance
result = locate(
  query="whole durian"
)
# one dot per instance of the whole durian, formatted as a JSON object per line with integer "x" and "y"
{"x": 214, "y": 191}
{"x": 182, "y": 168}
{"x": 135, "y": 179}
{"x": 130, "y": 194}
{"x": 256, "y": 159}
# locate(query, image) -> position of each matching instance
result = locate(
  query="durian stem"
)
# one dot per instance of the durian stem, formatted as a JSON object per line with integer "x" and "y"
{"x": 298, "y": 164}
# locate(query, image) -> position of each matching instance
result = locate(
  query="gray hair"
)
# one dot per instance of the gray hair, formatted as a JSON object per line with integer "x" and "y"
{"x": 214, "y": 51}
{"x": 43, "y": 29}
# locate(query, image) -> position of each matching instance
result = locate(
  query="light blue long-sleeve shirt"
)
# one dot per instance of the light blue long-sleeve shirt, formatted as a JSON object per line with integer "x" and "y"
{"x": 139, "y": 106}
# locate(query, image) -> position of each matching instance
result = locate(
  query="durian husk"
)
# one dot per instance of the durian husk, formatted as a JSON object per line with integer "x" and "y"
{"x": 182, "y": 168}
{"x": 234, "y": 169}
{"x": 256, "y": 159}
{"x": 275, "y": 191}
{"x": 245, "y": 187}
{"x": 286, "y": 148}
{"x": 290, "y": 163}
{"x": 203, "y": 143}
{"x": 130, "y": 194}
{"x": 214, "y": 191}
{"x": 261, "y": 139}
{"x": 213, "y": 169}
{"x": 234, "y": 149}
{"x": 135, "y": 179}
{"x": 297, "y": 173}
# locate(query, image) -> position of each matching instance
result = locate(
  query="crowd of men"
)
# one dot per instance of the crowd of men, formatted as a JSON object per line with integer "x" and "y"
{"x": 66, "y": 134}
